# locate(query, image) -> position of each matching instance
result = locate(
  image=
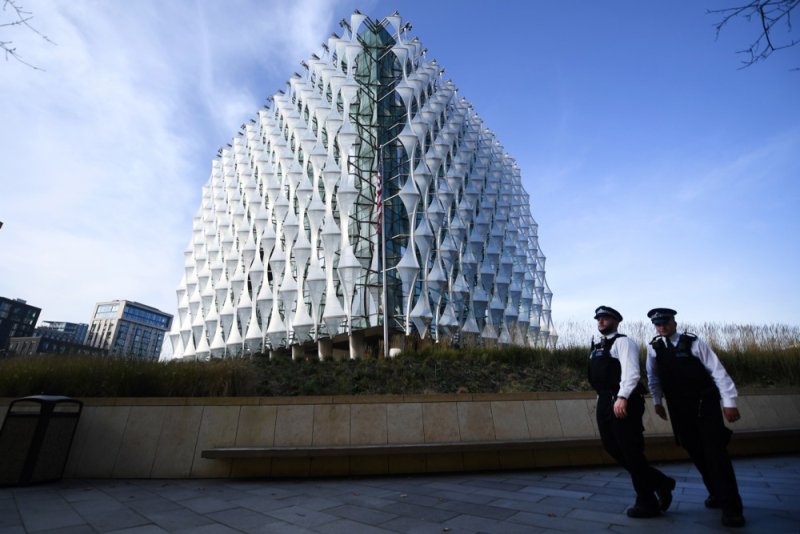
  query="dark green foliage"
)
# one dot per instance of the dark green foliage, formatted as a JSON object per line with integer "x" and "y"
{"x": 428, "y": 371}
{"x": 93, "y": 376}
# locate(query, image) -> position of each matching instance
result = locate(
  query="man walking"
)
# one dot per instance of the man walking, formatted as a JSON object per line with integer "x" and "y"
{"x": 614, "y": 374}
{"x": 684, "y": 369}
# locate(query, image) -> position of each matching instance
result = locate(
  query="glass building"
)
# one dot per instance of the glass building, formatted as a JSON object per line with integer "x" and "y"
{"x": 17, "y": 319}
{"x": 67, "y": 331}
{"x": 127, "y": 328}
{"x": 366, "y": 199}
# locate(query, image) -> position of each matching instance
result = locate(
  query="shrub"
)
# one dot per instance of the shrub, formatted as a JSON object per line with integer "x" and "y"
{"x": 94, "y": 376}
{"x": 428, "y": 370}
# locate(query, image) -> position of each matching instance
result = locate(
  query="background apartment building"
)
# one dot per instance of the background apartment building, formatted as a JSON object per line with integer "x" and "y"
{"x": 128, "y": 328}
{"x": 74, "y": 332}
{"x": 53, "y": 337}
{"x": 17, "y": 318}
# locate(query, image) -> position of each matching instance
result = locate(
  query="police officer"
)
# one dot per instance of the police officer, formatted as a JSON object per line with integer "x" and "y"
{"x": 684, "y": 369}
{"x": 614, "y": 375}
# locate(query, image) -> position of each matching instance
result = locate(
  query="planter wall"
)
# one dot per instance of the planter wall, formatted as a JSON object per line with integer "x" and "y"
{"x": 165, "y": 437}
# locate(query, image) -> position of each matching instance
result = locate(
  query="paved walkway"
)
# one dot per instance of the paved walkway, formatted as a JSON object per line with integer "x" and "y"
{"x": 552, "y": 500}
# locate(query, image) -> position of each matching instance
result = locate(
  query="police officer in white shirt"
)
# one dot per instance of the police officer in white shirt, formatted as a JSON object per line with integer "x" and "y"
{"x": 614, "y": 374}
{"x": 683, "y": 369}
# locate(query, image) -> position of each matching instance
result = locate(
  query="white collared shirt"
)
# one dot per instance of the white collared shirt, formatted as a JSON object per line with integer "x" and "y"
{"x": 701, "y": 350}
{"x": 626, "y": 351}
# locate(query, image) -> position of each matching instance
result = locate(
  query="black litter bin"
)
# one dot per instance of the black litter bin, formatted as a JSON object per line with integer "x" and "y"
{"x": 36, "y": 437}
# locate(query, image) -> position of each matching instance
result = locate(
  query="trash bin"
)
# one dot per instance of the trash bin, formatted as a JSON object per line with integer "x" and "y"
{"x": 36, "y": 437}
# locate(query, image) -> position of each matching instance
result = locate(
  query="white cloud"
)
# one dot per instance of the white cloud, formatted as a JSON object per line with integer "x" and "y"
{"x": 103, "y": 154}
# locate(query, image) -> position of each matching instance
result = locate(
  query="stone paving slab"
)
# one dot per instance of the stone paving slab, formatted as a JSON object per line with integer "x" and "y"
{"x": 547, "y": 500}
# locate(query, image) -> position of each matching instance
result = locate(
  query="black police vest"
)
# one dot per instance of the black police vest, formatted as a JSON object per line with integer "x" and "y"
{"x": 681, "y": 373}
{"x": 605, "y": 371}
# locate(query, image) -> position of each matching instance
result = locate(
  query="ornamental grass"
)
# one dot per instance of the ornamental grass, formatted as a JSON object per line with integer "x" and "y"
{"x": 755, "y": 356}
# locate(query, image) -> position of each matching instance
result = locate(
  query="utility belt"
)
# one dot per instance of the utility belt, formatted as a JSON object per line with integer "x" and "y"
{"x": 692, "y": 398}
{"x": 613, "y": 393}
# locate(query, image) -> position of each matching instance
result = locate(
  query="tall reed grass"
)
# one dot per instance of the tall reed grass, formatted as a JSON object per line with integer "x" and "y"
{"x": 721, "y": 336}
{"x": 755, "y": 356}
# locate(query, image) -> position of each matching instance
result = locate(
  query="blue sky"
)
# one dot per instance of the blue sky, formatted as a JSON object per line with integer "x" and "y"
{"x": 659, "y": 172}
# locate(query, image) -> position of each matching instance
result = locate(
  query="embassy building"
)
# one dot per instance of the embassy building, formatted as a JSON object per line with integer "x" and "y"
{"x": 366, "y": 200}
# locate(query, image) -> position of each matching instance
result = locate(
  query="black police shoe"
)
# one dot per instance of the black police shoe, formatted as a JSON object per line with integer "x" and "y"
{"x": 639, "y": 511}
{"x": 711, "y": 502}
{"x": 664, "y": 493}
{"x": 732, "y": 519}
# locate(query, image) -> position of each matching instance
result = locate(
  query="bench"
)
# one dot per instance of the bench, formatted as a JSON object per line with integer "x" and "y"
{"x": 231, "y": 453}
{"x": 743, "y": 442}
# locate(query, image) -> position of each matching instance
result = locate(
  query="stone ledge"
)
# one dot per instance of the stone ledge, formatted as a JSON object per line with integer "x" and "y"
{"x": 368, "y": 399}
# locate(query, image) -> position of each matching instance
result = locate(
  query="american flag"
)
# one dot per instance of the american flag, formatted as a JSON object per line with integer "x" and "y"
{"x": 379, "y": 196}
{"x": 379, "y": 201}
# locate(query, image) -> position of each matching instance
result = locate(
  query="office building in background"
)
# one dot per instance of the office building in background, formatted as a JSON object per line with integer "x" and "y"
{"x": 72, "y": 332}
{"x": 127, "y": 328}
{"x": 17, "y": 319}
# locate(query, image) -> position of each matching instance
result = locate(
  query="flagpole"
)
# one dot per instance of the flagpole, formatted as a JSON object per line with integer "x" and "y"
{"x": 383, "y": 259}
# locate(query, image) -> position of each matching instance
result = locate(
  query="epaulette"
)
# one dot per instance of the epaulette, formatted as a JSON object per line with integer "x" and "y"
{"x": 652, "y": 341}
{"x": 689, "y": 335}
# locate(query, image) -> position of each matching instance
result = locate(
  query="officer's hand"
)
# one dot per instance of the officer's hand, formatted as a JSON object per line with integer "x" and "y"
{"x": 621, "y": 408}
{"x": 661, "y": 412}
{"x": 731, "y": 414}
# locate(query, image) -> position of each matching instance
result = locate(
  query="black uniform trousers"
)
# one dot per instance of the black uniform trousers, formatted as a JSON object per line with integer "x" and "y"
{"x": 623, "y": 439}
{"x": 700, "y": 429}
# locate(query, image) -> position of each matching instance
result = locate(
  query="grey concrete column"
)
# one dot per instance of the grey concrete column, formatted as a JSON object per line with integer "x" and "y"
{"x": 356, "y": 345}
{"x": 325, "y": 348}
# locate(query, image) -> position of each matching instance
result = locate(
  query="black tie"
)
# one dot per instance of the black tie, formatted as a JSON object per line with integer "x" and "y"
{"x": 668, "y": 342}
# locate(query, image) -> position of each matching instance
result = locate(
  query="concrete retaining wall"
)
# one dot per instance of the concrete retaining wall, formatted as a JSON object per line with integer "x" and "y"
{"x": 164, "y": 437}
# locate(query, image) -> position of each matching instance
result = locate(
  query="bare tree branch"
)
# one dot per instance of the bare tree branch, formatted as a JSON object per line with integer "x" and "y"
{"x": 773, "y": 16}
{"x": 18, "y": 18}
